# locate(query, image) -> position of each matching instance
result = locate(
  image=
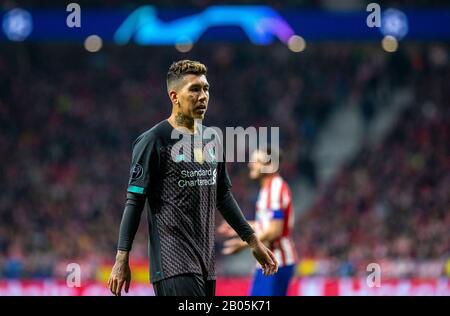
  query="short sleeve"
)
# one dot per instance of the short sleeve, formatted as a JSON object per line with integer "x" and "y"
{"x": 143, "y": 164}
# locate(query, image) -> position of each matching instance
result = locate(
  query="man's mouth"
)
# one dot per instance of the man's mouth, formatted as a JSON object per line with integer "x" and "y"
{"x": 200, "y": 108}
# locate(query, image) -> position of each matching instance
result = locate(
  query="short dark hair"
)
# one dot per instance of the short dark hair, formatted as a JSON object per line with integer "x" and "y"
{"x": 184, "y": 67}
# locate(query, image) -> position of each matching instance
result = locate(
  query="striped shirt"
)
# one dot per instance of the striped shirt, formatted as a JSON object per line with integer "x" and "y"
{"x": 275, "y": 202}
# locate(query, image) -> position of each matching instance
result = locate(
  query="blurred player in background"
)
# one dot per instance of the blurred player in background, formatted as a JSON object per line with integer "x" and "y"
{"x": 274, "y": 220}
{"x": 182, "y": 194}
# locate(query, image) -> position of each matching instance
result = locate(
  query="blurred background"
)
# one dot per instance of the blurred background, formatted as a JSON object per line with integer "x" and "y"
{"x": 363, "y": 114}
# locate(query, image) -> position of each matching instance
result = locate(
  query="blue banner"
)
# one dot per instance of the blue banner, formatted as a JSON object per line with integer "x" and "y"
{"x": 260, "y": 25}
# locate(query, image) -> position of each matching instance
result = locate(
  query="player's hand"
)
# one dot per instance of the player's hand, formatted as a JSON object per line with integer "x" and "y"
{"x": 225, "y": 230}
{"x": 233, "y": 245}
{"x": 264, "y": 256}
{"x": 120, "y": 275}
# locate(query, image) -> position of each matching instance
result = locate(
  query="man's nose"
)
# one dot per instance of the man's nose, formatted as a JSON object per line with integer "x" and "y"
{"x": 203, "y": 95}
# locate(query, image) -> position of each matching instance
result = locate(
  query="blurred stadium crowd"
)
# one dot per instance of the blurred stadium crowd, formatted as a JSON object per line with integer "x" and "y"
{"x": 392, "y": 200}
{"x": 68, "y": 118}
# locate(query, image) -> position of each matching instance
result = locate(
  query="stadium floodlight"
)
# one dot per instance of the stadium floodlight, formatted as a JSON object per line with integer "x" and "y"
{"x": 394, "y": 23}
{"x": 17, "y": 24}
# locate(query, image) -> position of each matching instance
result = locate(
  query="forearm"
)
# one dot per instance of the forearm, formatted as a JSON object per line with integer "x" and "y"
{"x": 252, "y": 241}
{"x": 130, "y": 222}
{"x": 231, "y": 212}
{"x": 272, "y": 231}
{"x": 252, "y": 225}
{"x": 267, "y": 235}
{"x": 122, "y": 256}
{"x": 262, "y": 236}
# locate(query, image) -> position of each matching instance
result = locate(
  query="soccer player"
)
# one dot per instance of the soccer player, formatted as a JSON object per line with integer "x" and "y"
{"x": 182, "y": 192}
{"x": 274, "y": 220}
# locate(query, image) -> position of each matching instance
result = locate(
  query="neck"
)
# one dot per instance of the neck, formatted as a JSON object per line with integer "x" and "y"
{"x": 179, "y": 120}
{"x": 266, "y": 179}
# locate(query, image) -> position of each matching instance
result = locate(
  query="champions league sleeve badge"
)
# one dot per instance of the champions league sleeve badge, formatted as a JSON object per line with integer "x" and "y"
{"x": 136, "y": 172}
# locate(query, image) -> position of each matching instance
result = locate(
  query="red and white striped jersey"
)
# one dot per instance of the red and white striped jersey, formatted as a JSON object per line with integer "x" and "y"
{"x": 275, "y": 202}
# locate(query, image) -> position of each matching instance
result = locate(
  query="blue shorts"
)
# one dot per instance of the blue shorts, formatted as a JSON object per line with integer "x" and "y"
{"x": 273, "y": 285}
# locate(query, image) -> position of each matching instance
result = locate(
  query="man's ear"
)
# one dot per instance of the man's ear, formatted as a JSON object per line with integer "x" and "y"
{"x": 173, "y": 95}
